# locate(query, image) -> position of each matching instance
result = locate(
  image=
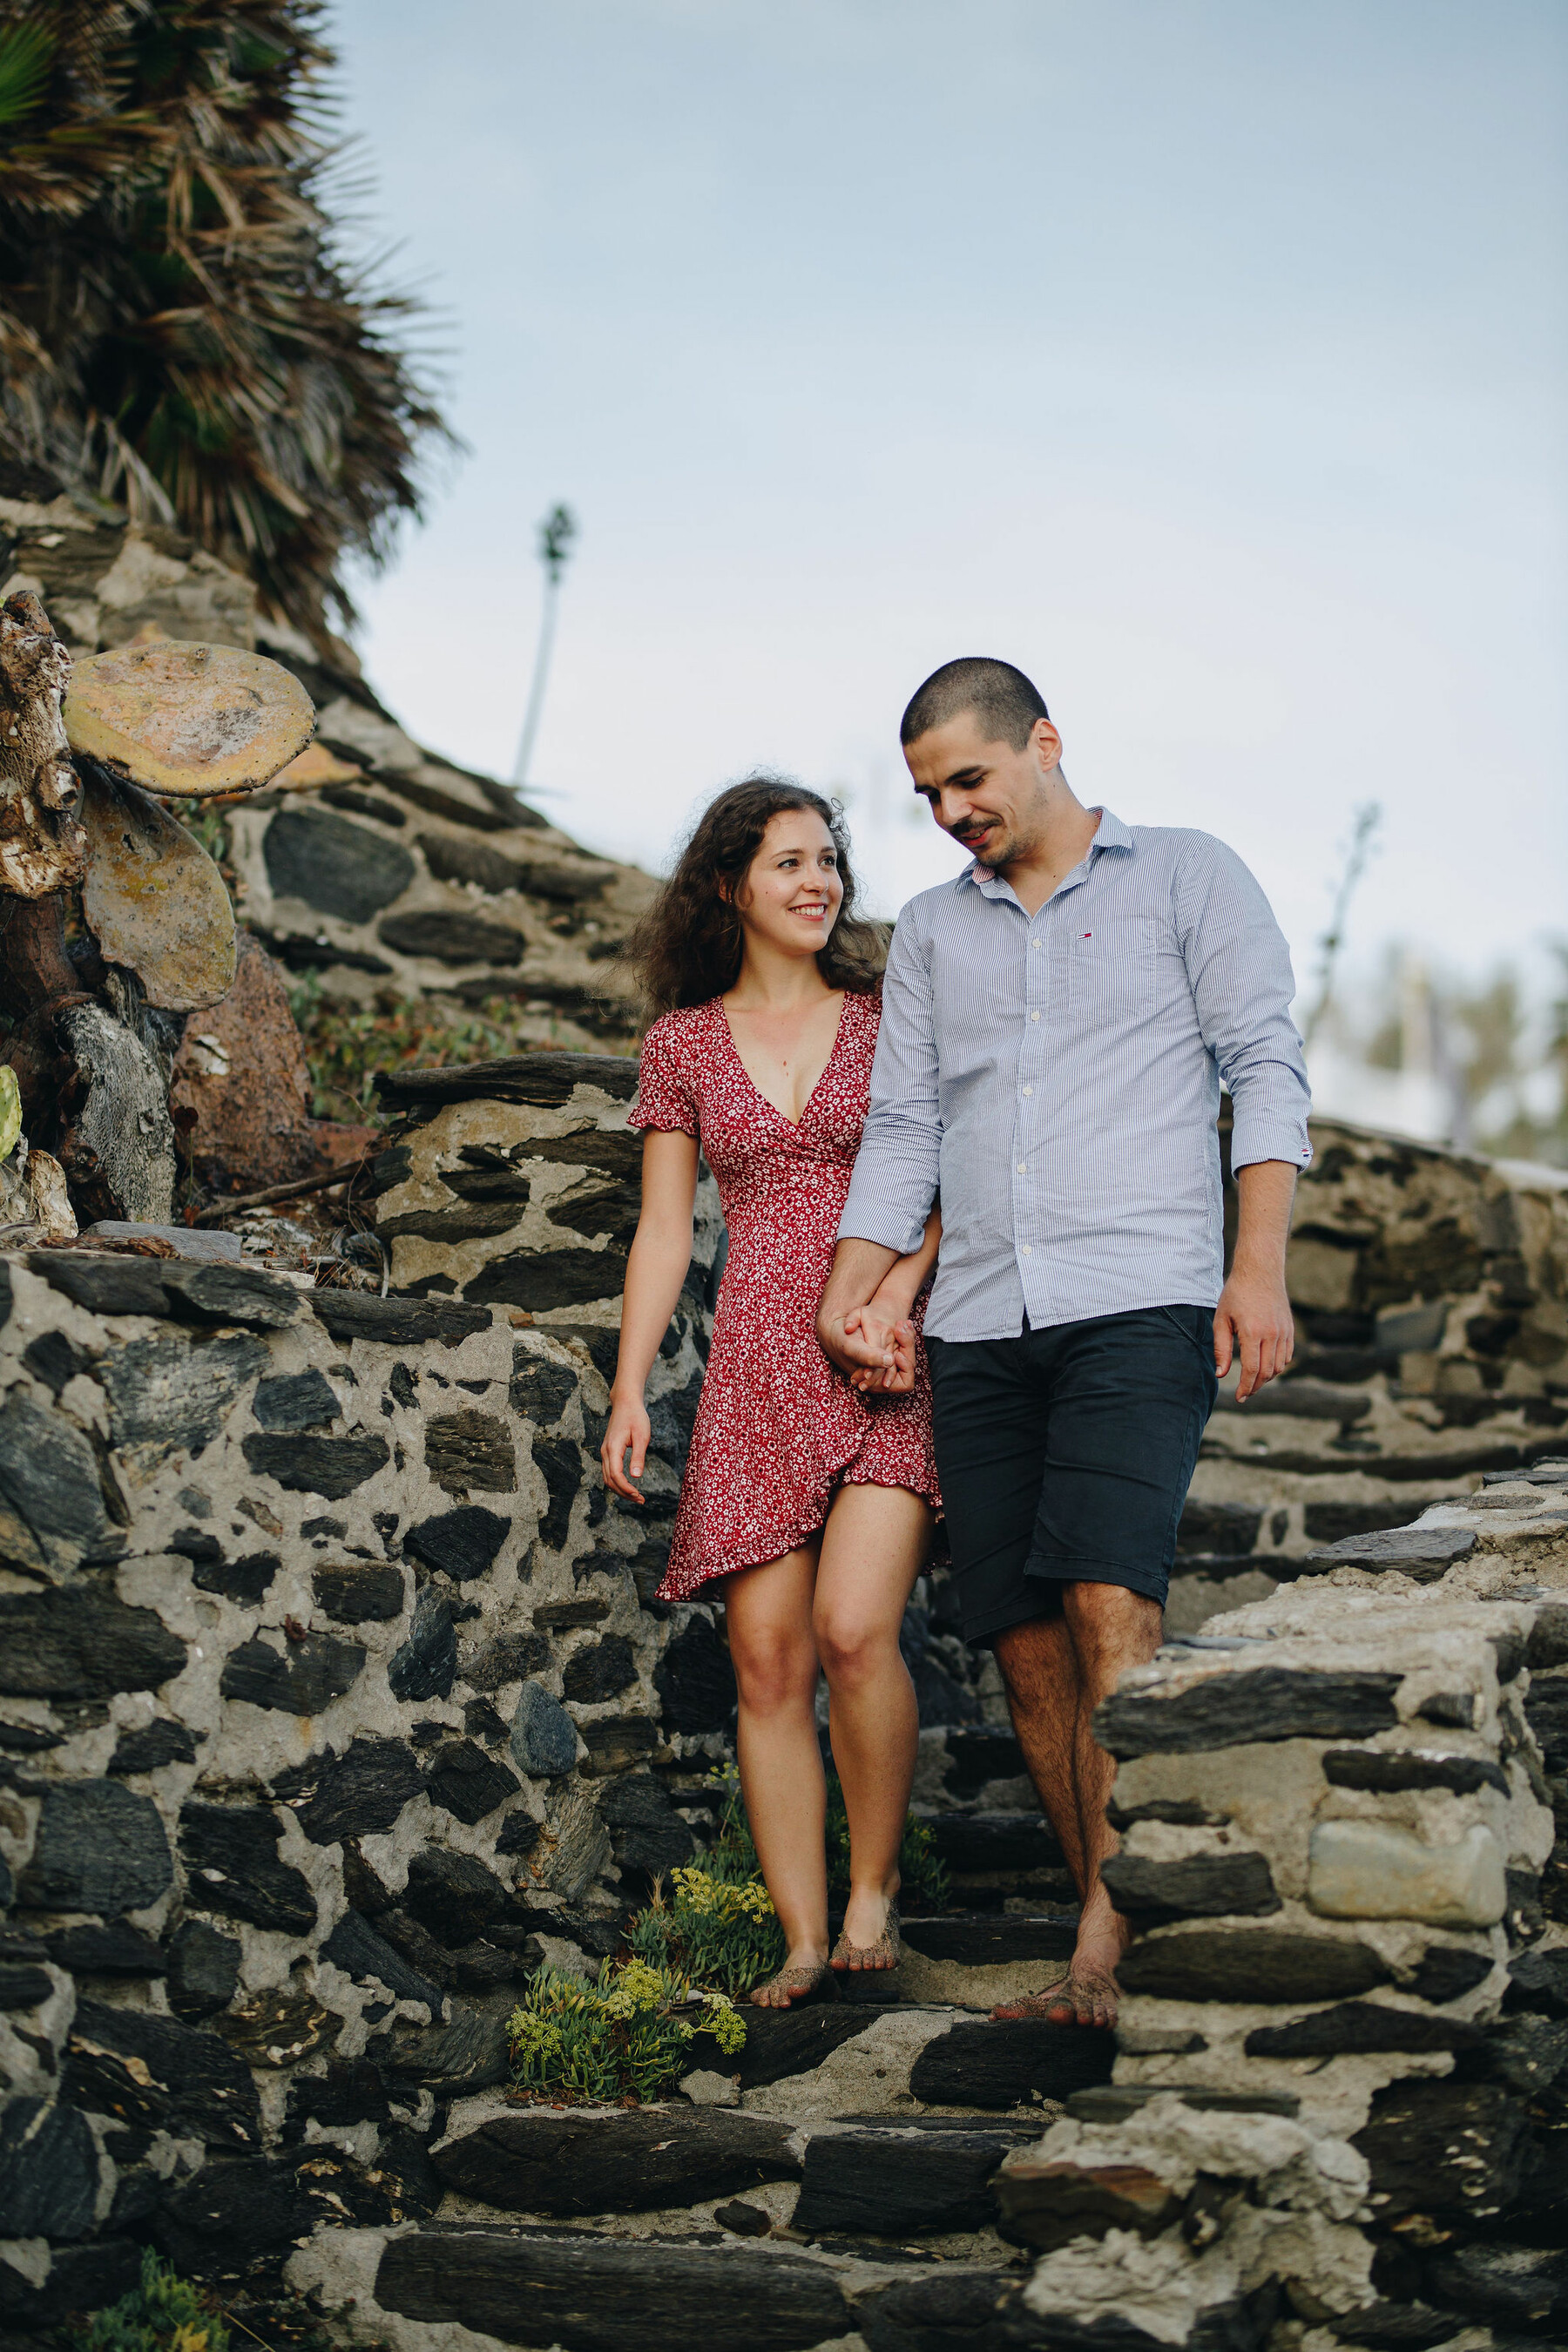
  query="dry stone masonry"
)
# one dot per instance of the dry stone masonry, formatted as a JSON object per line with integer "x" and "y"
{"x": 335, "y": 1697}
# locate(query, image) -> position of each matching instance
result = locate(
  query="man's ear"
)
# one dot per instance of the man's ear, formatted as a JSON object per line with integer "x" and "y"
{"x": 1047, "y": 746}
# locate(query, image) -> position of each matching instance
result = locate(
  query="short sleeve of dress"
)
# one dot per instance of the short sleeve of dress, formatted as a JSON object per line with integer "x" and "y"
{"x": 665, "y": 1100}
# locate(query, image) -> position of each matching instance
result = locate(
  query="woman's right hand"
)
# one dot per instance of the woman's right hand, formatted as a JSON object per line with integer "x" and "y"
{"x": 629, "y": 1430}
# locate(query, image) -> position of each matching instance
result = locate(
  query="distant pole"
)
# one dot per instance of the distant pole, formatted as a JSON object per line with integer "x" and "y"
{"x": 556, "y": 534}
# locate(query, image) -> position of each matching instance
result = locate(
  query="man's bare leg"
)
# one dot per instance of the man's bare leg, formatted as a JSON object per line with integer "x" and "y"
{"x": 1057, "y": 1671}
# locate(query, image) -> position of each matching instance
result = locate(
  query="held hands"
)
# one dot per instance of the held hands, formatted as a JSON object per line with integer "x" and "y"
{"x": 630, "y": 1428}
{"x": 874, "y": 1347}
{"x": 1253, "y": 1322}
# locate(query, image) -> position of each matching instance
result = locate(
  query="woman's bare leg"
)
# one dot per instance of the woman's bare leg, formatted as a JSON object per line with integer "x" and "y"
{"x": 768, "y": 1614}
{"x": 874, "y": 1546}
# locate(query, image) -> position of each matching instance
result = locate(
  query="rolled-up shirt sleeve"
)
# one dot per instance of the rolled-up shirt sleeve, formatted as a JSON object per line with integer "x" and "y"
{"x": 897, "y": 1169}
{"x": 1239, "y": 966}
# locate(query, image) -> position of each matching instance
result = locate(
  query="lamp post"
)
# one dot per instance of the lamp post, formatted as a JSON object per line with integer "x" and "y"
{"x": 556, "y": 534}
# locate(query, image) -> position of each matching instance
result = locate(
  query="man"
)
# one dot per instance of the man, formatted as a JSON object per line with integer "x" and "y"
{"x": 1056, "y": 1024}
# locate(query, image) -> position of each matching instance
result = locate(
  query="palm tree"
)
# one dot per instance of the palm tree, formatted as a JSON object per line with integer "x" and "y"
{"x": 179, "y": 327}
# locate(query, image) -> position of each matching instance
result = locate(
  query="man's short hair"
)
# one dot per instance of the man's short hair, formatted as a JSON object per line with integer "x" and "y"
{"x": 1007, "y": 704}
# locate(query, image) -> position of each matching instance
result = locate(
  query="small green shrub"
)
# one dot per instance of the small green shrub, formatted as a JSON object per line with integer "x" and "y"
{"x": 733, "y": 1856}
{"x": 164, "y": 2314}
{"x": 715, "y": 1931}
{"x": 621, "y": 2037}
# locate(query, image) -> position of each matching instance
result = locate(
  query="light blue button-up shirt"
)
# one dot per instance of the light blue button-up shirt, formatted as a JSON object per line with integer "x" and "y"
{"x": 1056, "y": 1077}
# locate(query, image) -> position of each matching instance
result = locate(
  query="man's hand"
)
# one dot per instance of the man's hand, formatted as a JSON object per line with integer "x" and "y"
{"x": 1253, "y": 1321}
{"x": 858, "y": 1345}
{"x": 1255, "y": 1309}
{"x": 893, "y": 1338}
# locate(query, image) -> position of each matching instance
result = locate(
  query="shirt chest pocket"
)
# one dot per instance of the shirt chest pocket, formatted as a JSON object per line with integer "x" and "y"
{"x": 1110, "y": 969}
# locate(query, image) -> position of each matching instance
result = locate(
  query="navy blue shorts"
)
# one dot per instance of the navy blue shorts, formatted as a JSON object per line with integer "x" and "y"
{"x": 1065, "y": 1456}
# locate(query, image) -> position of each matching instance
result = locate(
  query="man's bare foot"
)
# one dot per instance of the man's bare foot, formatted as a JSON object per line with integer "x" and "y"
{"x": 801, "y": 1982}
{"x": 1083, "y": 1997}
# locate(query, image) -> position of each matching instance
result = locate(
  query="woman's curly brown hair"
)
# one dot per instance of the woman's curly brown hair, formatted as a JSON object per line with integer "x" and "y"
{"x": 687, "y": 947}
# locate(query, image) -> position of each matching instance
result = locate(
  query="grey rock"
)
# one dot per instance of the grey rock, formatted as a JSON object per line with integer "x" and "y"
{"x": 300, "y": 1679}
{"x": 506, "y": 1659}
{"x": 104, "y": 1285}
{"x": 275, "y": 2027}
{"x": 781, "y": 2043}
{"x": 200, "y": 1248}
{"x": 354, "y": 1947}
{"x": 467, "y": 2054}
{"x": 1250, "y": 1964}
{"x": 116, "y": 1950}
{"x": 980, "y": 1844}
{"x": 1222, "y": 1527}
{"x": 1447, "y": 1972}
{"x": 350, "y": 2092}
{"x": 244, "y": 1580}
{"x": 331, "y": 1466}
{"x": 100, "y": 1847}
{"x": 1508, "y": 2288}
{"x": 542, "y": 2160}
{"x": 1301, "y": 1398}
{"x": 230, "y": 1854}
{"x": 899, "y": 2179}
{"x": 453, "y": 1895}
{"x": 1392, "y": 1770}
{"x": 1117, "y": 2102}
{"x": 979, "y": 1940}
{"x": 544, "y": 1735}
{"x": 169, "y": 1392}
{"x": 154, "y": 2071}
{"x": 539, "y": 1391}
{"x": 452, "y": 857}
{"x": 1546, "y": 1709}
{"x": 561, "y": 1616}
{"x": 1230, "y": 1709}
{"x": 542, "y": 1280}
{"x": 695, "y": 1681}
{"x": 1353, "y": 2026}
{"x": 52, "y": 1512}
{"x": 647, "y": 1832}
{"x": 549, "y": 1080}
{"x": 607, "y": 2297}
{"x": 468, "y": 1222}
{"x": 23, "y": 1986}
{"x": 356, "y": 1591}
{"x": 1411, "y": 1331}
{"x": 1422, "y": 1553}
{"x": 82, "y": 1643}
{"x": 427, "y": 1661}
{"x": 999, "y": 2066}
{"x": 1329, "y": 1523}
{"x": 1447, "y": 2148}
{"x": 338, "y": 867}
{"x": 54, "y": 1358}
{"x": 468, "y": 1782}
{"x": 1218, "y": 1885}
{"x": 579, "y": 1845}
{"x": 48, "y": 2171}
{"x": 230, "y": 1294}
{"x": 81, "y": 2278}
{"x": 204, "y": 1970}
{"x": 1538, "y": 1981}
{"x": 602, "y": 1670}
{"x": 294, "y": 1401}
{"x": 350, "y": 1315}
{"x": 452, "y": 936}
{"x": 471, "y": 1449}
{"x": 477, "y": 1967}
{"x": 352, "y": 1795}
{"x": 463, "y": 1543}
{"x": 614, "y": 1742}
{"x": 153, "y": 1745}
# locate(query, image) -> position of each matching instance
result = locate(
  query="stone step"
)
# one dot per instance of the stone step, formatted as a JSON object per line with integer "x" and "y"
{"x": 998, "y": 2064}
{"x": 884, "y": 2176}
{"x": 587, "y": 2293}
{"x": 575, "y": 2161}
{"x": 977, "y": 1844}
{"x": 992, "y": 1938}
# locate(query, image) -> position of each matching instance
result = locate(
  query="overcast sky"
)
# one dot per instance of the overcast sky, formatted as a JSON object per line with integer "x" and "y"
{"x": 1207, "y": 360}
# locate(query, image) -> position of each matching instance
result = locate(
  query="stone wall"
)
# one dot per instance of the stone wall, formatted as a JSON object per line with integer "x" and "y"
{"x": 332, "y": 1698}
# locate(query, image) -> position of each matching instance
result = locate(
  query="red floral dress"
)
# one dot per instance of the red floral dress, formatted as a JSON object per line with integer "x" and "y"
{"x": 778, "y": 1429}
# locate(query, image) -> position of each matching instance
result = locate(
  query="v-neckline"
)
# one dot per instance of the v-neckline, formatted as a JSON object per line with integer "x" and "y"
{"x": 793, "y": 1124}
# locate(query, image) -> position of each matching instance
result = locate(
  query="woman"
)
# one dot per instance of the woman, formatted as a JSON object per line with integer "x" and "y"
{"x": 808, "y": 1498}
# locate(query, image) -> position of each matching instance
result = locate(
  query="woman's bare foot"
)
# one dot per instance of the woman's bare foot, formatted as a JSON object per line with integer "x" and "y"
{"x": 799, "y": 1980}
{"x": 869, "y": 1943}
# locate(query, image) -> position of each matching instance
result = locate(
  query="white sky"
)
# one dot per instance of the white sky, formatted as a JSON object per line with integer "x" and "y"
{"x": 1205, "y": 357}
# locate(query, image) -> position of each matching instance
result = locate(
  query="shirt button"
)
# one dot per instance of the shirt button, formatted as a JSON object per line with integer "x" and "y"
{"x": 1025, "y": 1252}
{"x": 1028, "y": 1090}
{"x": 1034, "y": 1016}
{"x": 1023, "y": 1166}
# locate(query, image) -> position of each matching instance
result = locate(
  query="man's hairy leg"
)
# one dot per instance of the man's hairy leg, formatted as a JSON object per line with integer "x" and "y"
{"x": 1103, "y": 1630}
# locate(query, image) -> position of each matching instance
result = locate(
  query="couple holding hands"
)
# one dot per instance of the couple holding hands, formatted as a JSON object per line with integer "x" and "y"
{"x": 1022, "y": 1104}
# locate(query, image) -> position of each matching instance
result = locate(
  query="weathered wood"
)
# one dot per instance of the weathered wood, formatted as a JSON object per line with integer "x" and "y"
{"x": 42, "y": 846}
{"x": 187, "y": 719}
{"x": 118, "y": 1150}
{"x": 153, "y": 899}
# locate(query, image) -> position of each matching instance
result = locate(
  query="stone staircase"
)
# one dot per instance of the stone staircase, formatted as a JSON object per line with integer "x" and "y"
{"x": 835, "y": 2184}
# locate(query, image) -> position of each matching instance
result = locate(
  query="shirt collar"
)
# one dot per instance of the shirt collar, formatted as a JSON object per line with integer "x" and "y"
{"x": 1111, "y": 834}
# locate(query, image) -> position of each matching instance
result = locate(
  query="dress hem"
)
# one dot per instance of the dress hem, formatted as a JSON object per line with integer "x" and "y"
{"x": 791, "y": 1537}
